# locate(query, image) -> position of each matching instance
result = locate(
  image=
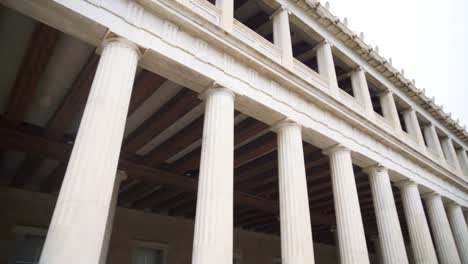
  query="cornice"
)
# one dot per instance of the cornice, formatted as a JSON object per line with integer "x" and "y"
{"x": 334, "y": 25}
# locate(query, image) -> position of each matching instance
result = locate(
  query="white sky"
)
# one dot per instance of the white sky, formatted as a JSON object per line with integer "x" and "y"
{"x": 428, "y": 38}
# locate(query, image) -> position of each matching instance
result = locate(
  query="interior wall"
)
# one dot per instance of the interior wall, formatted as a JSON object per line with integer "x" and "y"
{"x": 25, "y": 208}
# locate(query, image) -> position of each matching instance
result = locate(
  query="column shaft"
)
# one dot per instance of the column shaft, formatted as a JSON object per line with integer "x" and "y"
{"x": 412, "y": 126}
{"x": 459, "y": 230}
{"x": 282, "y": 36}
{"x": 227, "y": 14}
{"x": 121, "y": 176}
{"x": 296, "y": 230}
{"x": 420, "y": 236}
{"x": 463, "y": 161}
{"x": 390, "y": 235}
{"x": 443, "y": 238}
{"x": 353, "y": 247}
{"x": 361, "y": 90}
{"x": 326, "y": 66}
{"x": 389, "y": 108}
{"x": 213, "y": 238}
{"x": 450, "y": 154}
{"x": 84, "y": 204}
{"x": 433, "y": 140}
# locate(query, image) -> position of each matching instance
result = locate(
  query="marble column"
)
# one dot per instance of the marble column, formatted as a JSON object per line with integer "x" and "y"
{"x": 227, "y": 14}
{"x": 450, "y": 154}
{"x": 463, "y": 161}
{"x": 420, "y": 236}
{"x": 121, "y": 176}
{"x": 77, "y": 232}
{"x": 433, "y": 139}
{"x": 213, "y": 237}
{"x": 282, "y": 35}
{"x": 390, "y": 235}
{"x": 389, "y": 109}
{"x": 326, "y": 66}
{"x": 443, "y": 238}
{"x": 412, "y": 126}
{"x": 361, "y": 90}
{"x": 459, "y": 230}
{"x": 352, "y": 241}
{"x": 296, "y": 230}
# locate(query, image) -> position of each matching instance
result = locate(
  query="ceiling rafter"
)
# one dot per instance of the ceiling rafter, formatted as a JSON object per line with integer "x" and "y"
{"x": 56, "y": 150}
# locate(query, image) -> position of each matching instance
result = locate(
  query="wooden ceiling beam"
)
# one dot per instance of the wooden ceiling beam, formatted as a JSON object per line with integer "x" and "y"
{"x": 192, "y": 160}
{"x": 169, "y": 113}
{"x": 255, "y": 149}
{"x": 74, "y": 102}
{"x": 38, "y": 54}
{"x": 59, "y": 151}
{"x": 145, "y": 85}
{"x": 180, "y": 141}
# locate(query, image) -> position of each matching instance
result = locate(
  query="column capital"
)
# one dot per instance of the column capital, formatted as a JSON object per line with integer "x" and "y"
{"x": 358, "y": 69}
{"x": 375, "y": 168}
{"x": 111, "y": 37}
{"x": 453, "y": 204}
{"x": 279, "y": 10}
{"x": 322, "y": 43}
{"x": 429, "y": 195}
{"x": 216, "y": 88}
{"x": 386, "y": 91}
{"x": 284, "y": 123}
{"x": 404, "y": 183}
{"x": 409, "y": 109}
{"x": 335, "y": 148}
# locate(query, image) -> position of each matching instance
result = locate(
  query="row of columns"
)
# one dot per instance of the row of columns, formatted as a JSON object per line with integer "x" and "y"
{"x": 82, "y": 218}
{"x": 326, "y": 68}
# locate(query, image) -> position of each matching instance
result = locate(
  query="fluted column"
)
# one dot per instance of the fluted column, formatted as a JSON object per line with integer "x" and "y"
{"x": 450, "y": 154}
{"x": 463, "y": 161}
{"x": 227, "y": 14}
{"x": 326, "y": 66}
{"x": 420, "y": 236}
{"x": 433, "y": 140}
{"x": 412, "y": 126}
{"x": 352, "y": 241}
{"x": 296, "y": 230}
{"x": 389, "y": 109}
{"x": 390, "y": 235}
{"x": 282, "y": 35}
{"x": 361, "y": 90}
{"x": 443, "y": 238}
{"x": 459, "y": 230}
{"x": 77, "y": 232}
{"x": 121, "y": 176}
{"x": 212, "y": 243}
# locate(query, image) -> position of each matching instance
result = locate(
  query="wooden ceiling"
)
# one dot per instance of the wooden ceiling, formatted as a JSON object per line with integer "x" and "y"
{"x": 161, "y": 150}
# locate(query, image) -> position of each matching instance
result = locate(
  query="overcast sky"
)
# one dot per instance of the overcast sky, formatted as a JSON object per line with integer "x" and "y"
{"x": 428, "y": 38}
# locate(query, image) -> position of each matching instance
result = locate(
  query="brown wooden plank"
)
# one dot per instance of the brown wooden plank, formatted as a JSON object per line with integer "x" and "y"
{"x": 177, "y": 107}
{"x": 191, "y": 160}
{"x": 145, "y": 85}
{"x": 255, "y": 149}
{"x": 175, "y": 144}
{"x": 55, "y": 150}
{"x": 74, "y": 102}
{"x": 40, "y": 50}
